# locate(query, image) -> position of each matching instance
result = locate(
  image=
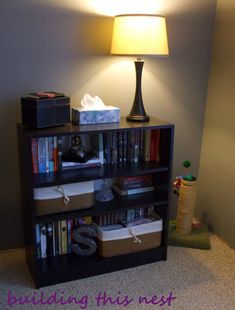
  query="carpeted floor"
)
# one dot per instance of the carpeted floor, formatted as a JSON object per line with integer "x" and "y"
{"x": 199, "y": 279}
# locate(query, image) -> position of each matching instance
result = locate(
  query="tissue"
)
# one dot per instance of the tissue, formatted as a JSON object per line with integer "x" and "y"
{"x": 94, "y": 111}
{"x": 92, "y": 103}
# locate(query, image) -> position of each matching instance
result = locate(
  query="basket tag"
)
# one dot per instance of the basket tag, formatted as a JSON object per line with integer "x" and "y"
{"x": 135, "y": 238}
{"x": 66, "y": 198}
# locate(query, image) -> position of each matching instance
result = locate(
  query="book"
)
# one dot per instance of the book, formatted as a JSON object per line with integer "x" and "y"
{"x": 51, "y": 153}
{"x": 56, "y": 237}
{"x": 46, "y": 141}
{"x": 114, "y": 151}
{"x": 69, "y": 234}
{"x": 60, "y": 151}
{"x": 126, "y": 192}
{"x": 49, "y": 237}
{"x": 141, "y": 145}
{"x": 147, "y": 141}
{"x": 55, "y": 154}
{"x": 136, "y": 150}
{"x": 34, "y": 151}
{"x": 63, "y": 234}
{"x": 119, "y": 147}
{"x": 38, "y": 241}
{"x": 130, "y": 182}
{"x": 41, "y": 155}
{"x": 124, "y": 146}
{"x": 130, "y": 146}
{"x": 59, "y": 238}
{"x": 43, "y": 240}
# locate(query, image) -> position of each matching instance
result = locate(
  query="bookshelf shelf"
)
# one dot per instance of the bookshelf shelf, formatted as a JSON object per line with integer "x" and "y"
{"x": 144, "y": 200}
{"x": 104, "y": 171}
{"x": 67, "y": 267}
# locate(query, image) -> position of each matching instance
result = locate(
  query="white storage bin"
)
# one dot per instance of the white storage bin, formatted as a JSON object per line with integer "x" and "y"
{"x": 63, "y": 198}
{"x": 120, "y": 241}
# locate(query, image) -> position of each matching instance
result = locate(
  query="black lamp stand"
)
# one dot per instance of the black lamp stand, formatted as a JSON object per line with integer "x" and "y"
{"x": 138, "y": 113}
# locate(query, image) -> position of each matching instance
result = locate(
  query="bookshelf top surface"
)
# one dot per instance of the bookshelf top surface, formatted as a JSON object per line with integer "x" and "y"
{"x": 71, "y": 128}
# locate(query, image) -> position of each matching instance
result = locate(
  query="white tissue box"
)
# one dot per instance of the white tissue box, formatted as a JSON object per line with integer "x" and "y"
{"x": 82, "y": 116}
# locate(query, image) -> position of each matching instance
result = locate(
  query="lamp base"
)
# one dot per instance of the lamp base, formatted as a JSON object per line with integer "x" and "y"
{"x": 137, "y": 118}
{"x": 138, "y": 113}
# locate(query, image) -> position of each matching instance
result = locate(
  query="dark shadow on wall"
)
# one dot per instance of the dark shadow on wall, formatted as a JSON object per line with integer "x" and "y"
{"x": 40, "y": 47}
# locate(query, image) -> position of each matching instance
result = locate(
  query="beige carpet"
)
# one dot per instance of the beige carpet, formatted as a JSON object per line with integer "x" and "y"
{"x": 199, "y": 279}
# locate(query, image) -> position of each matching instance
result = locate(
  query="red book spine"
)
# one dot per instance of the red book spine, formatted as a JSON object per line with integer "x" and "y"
{"x": 155, "y": 145}
{"x": 34, "y": 150}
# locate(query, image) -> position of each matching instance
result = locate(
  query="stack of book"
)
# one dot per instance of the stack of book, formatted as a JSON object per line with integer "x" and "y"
{"x": 50, "y": 154}
{"x": 131, "y": 146}
{"x": 45, "y": 156}
{"x": 122, "y": 216}
{"x": 133, "y": 185}
{"x": 55, "y": 238}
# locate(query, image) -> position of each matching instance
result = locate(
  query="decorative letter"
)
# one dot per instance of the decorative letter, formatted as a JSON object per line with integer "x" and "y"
{"x": 87, "y": 240}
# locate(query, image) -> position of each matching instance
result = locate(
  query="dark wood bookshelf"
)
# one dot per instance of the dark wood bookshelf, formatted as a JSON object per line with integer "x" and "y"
{"x": 52, "y": 270}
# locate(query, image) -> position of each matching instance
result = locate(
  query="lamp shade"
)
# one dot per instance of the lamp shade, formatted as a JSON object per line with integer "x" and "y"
{"x": 139, "y": 35}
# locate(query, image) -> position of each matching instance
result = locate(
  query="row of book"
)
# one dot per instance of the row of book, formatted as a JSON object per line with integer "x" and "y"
{"x": 46, "y": 154}
{"x": 121, "y": 147}
{"x": 131, "y": 146}
{"x": 123, "y": 216}
{"x": 55, "y": 238}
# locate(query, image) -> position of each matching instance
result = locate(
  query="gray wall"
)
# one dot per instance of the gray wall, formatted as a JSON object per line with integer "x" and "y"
{"x": 216, "y": 194}
{"x": 48, "y": 47}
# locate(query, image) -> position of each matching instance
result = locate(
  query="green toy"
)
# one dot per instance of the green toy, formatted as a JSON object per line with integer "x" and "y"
{"x": 188, "y": 176}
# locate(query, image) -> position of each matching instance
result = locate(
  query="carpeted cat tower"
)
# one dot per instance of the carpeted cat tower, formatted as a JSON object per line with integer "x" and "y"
{"x": 185, "y": 230}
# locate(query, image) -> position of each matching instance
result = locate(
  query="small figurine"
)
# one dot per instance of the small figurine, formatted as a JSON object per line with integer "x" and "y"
{"x": 77, "y": 150}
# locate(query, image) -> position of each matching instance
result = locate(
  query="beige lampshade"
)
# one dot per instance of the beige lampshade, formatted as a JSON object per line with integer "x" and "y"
{"x": 139, "y": 35}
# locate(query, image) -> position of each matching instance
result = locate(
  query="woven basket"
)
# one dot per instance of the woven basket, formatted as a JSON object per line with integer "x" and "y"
{"x": 186, "y": 205}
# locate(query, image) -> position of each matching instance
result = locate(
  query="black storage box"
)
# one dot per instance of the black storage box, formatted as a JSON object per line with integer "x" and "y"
{"x": 48, "y": 112}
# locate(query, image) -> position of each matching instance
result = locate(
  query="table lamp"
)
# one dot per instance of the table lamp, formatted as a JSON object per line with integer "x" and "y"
{"x": 139, "y": 34}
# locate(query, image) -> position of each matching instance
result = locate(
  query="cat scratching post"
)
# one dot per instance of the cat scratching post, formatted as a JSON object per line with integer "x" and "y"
{"x": 186, "y": 205}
